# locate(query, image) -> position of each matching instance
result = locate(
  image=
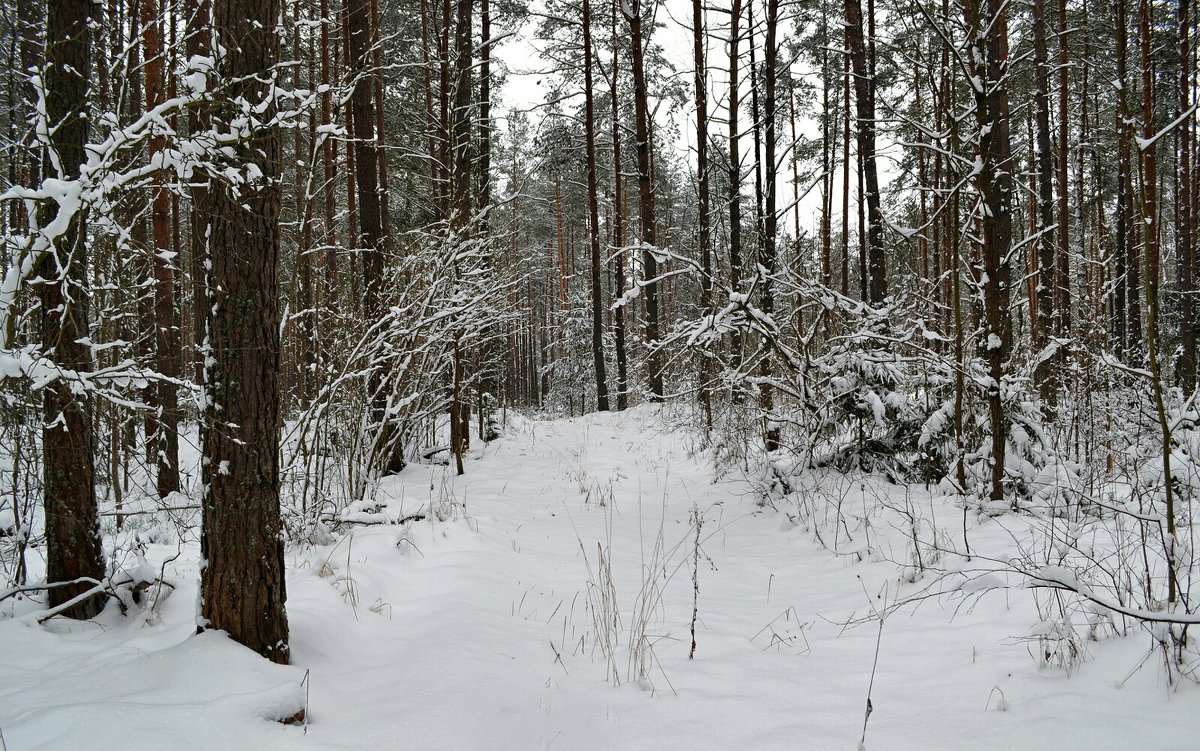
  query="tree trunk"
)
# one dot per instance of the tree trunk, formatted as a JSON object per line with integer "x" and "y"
{"x": 242, "y": 586}
{"x": 460, "y": 196}
{"x": 166, "y": 325}
{"x": 1062, "y": 290}
{"x": 706, "y": 283}
{"x": 381, "y": 154}
{"x": 988, "y": 29}
{"x": 1044, "y": 257}
{"x": 735, "y": 171}
{"x": 1185, "y": 242}
{"x": 827, "y": 155}
{"x": 72, "y": 525}
{"x": 618, "y": 239}
{"x": 143, "y": 258}
{"x": 845, "y": 286}
{"x": 328, "y": 158}
{"x": 370, "y": 237}
{"x": 756, "y": 113}
{"x": 767, "y": 248}
{"x": 305, "y": 153}
{"x": 594, "y": 216}
{"x": 1151, "y": 266}
{"x": 1126, "y": 271}
{"x": 649, "y": 232}
{"x": 864, "y": 98}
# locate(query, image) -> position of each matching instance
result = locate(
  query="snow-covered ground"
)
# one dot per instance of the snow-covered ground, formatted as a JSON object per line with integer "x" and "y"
{"x": 482, "y": 626}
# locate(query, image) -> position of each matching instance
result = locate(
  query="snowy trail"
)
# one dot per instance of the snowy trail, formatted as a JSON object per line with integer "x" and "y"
{"x": 474, "y": 632}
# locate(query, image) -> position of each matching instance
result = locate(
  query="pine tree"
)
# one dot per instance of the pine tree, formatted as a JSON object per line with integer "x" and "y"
{"x": 68, "y": 441}
{"x": 242, "y": 587}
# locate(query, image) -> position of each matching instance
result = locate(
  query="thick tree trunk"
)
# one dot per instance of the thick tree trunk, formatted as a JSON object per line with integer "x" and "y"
{"x": 767, "y": 250}
{"x": 328, "y": 157}
{"x": 460, "y": 196}
{"x": 845, "y": 286}
{"x": 460, "y": 176}
{"x": 242, "y": 588}
{"x": 142, "y": 262}
{"x": 1127, "y": 266}
{"x": 304, "y": 154}
{"x": 166, "y": 325}
{"x": 381, "y": 154}
{"x": 700, "y": 80}
{"x": 988, "y": 29}
{"x": 72, "y": 528}
{"x": 1184, "y": 239}
{"x": 827, "y": 155}
{"x": 594, "y": 216}
{"x": 646, "y": 200}
{"x": 864, "y": 99}
{"x": 1062, "y": 288}
{"x": 353, "y": 223}
{"x": 735, "y": 171}
{"x": 370, "y": 236}
{"x": 756, "y": 113}
{"x": 1151, "y": 266}
{"x": 618, "y": 238}
{"x": 1045, "y": 227}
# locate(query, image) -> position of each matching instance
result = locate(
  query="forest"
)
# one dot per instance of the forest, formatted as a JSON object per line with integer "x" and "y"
{"x": 662, "y": 331}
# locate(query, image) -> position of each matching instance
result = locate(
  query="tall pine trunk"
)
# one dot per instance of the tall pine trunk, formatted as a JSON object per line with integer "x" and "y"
{"x": 864, "y": 99}
{"x": 1045, "y": 227}
{"x": 594, "y": 216}
{"x": 242, "y": 587}
{"x": 735, "y": 171}
{"x": 618, "y": 229}
{"x": 370, "y": 237}
{"x": 988, "y": 29}
{"x": 166, "y": 326}
{"x": 646, "y": 200}
{"x": 767, "y": 249}
{"x": 72, "y": 525}
{"x": 700, "y": 79}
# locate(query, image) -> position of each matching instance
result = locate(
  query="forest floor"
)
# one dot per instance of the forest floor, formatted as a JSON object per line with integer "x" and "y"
{"x": 545, "y": 601}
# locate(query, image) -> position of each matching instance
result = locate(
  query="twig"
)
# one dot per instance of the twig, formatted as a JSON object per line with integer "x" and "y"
{"x": 149, "y": 511}
{"x": 12, "y": 591}
{"x": 862, "y": 743}
{"x": 558, "y": 657}
{"x": 695, "y": 578}
{"x": 307, "y": 689}
{"x": 46, "y": 615}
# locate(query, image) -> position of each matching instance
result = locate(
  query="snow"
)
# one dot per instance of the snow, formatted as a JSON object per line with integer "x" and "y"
{"x": 469, "y": 628}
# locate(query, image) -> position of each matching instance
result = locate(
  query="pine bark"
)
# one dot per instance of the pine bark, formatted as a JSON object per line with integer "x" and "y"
{"x": 700, "y": 81}
{"x": 1127, "y": 264}
{"x": 594, "y": 217}
{"x": 73, "y": 548}
{"x": 988, "y": 29}
{"x": 370, "y": 236}
{"x": 1185, "y": 242}
{"x": 460, "y": 198}
{"x": 767, "y": 249}
{"x": 1045, "y": 226}
{"x": 618, "y": 229}
{"x": 1062, "y": 289}
{"x": 864, "y": 100}
{"x": 242, "y": 587}
{"x": 166, "y": 324}
{"x": 646, "y": 200}
{"x": 735, "y": 169}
